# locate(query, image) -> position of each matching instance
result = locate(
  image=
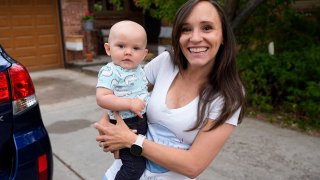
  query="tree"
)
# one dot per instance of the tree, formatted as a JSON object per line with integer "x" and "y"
{"x": 238, "y": 11}
{"x": 238, "y": 16}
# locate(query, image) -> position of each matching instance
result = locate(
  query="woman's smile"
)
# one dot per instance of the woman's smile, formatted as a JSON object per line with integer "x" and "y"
{"x": 198, "y": 50}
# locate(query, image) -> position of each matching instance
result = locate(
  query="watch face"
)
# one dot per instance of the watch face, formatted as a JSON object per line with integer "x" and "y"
{"x": 136, "y": 150}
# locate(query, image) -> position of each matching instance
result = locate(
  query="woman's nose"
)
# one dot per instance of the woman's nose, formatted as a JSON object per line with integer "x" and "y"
{"x": 196, "y": 36}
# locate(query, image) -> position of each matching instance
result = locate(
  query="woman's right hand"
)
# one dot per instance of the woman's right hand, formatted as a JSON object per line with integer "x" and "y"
{"x": 114, "y": 137}
{"x": 104, "y": 121}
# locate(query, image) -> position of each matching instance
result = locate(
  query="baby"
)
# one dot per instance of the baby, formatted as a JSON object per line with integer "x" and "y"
{"x": 122, "y": 86}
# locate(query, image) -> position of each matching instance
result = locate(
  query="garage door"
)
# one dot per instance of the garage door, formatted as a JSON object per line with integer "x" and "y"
{"x": 29, "y": 31}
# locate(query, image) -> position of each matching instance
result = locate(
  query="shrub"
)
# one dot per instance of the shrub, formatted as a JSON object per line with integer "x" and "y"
{"x": 286, "y": 82}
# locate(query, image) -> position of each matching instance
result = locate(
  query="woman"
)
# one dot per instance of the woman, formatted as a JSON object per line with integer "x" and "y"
{"x": 196, "y": 102}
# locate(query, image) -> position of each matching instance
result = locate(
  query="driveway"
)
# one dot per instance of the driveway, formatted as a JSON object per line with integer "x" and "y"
{"x": 256, "y": 150}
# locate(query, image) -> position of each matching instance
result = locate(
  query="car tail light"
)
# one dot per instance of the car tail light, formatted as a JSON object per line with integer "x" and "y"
{"x": 43, "y": 167}
{"x": 23, "y": 93}
{"x": 4, "y": 89}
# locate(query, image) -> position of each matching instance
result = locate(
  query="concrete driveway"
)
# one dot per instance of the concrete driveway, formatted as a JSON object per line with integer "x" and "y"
{"x": 256, "y": 150}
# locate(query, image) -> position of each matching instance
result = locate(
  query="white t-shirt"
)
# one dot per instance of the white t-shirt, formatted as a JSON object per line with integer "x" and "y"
{"x": 168, "y": 126}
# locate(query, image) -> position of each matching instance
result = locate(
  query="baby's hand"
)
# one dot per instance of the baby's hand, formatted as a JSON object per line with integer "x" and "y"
{"x": 137, "y": 106}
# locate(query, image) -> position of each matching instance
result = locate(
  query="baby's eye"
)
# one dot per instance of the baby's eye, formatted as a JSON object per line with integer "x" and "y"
{"x": 120, "y": 46}
{"x": 136, "y": 48}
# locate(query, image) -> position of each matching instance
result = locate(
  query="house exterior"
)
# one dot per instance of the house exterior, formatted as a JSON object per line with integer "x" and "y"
{"x": 36, "y": 32}
{"x": 30, "y": 31}
{"x": 46, "y": 34}
{"x": 107, "y": 15}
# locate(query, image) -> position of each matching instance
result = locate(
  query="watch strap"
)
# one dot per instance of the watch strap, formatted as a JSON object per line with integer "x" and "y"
{"x": 139, "y": 140}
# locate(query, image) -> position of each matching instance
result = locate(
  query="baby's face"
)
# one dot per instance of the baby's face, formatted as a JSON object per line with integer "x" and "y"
{"x": 127, "y": 47}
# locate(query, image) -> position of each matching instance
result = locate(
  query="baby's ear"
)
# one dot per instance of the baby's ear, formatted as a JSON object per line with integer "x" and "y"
{"x": 145, "y": 54}
{"x": 107, "y": 48}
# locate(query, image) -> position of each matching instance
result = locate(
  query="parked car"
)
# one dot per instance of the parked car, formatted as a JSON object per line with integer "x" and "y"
{"x": 25, "y": 148}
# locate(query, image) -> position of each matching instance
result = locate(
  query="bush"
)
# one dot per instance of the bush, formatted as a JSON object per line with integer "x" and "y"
{"x": 286, "y": 82}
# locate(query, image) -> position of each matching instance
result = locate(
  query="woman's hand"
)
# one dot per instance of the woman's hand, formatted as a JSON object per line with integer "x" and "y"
{"x": 114, "y": 137}
{"x": 104, "y": 121}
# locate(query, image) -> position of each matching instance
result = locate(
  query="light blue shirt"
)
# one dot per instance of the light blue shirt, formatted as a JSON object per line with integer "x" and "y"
{"x": 127, "y": 83}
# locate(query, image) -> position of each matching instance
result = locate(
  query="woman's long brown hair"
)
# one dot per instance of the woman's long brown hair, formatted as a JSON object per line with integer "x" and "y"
{"x": 223, "y": 79}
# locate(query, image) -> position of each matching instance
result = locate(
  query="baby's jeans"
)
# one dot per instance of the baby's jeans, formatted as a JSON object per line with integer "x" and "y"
{"x": 132, "y": 166}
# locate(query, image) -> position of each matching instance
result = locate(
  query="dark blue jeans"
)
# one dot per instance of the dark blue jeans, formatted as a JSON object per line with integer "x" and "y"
{"x": 132, "y": 166}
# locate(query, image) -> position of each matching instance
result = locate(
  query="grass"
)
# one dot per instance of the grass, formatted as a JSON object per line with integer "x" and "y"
{"x": 285, "y": 120}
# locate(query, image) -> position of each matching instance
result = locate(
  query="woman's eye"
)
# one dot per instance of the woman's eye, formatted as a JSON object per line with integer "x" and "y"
{"x": 185, "y": 29}
{"x": 207, "y": 28}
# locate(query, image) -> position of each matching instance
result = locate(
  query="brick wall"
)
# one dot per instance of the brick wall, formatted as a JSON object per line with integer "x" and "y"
{"x": 72, "y": 12}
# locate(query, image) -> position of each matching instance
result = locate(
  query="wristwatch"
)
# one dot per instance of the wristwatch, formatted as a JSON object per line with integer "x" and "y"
{"x": 136, "y": 148}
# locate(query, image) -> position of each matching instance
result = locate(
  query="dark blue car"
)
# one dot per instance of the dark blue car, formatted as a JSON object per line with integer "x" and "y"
{"x": 25, "y": 149}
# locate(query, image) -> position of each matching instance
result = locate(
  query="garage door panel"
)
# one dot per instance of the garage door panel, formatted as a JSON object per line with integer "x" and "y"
{"x": 45, "y": 20}
{"x": 4, "y": 3}
{"x": 28, "y": 60}
{"x": 25, "y": 52}
{"x": 24, "y": 41}
{"x": 30, "y": 30}
{"x": 49, "y": 59}
{"x": 45, "y": 10}
{"x": 5, "y": 32}
{"x": 6, "y": 42}
{"x": 36, "y": 10}
{"x": 23, "y": 31}
{"x": 49, "y": 49}
{"x": 25, "y": 3}
{"x": 45, "y": 30}
{"x": 47, "y": 40}
{"x": 43, "y": 2}
{"x": 4, "y": 21}
{"x": 22, "y": 20}
{"x": 21, "y": 10}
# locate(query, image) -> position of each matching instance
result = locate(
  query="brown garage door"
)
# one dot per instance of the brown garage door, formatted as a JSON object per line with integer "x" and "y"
{"x": 29, "y": 31}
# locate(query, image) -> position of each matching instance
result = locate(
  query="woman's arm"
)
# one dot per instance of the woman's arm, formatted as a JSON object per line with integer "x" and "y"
{"x": 194, "y": 161}
{"x": 190, "y": 162}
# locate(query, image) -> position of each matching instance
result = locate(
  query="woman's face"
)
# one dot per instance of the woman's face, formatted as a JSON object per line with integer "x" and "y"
{"x": 201, "y": 35}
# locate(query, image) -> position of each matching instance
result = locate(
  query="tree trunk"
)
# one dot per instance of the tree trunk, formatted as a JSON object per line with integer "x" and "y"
{"x": 230, "y": 8}
{"x": 244, "y": 14}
